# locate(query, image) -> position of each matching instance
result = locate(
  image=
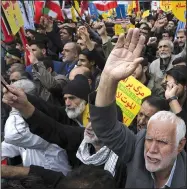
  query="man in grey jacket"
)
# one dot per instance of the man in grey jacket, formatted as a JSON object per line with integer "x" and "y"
{"x": 48, "y": 83}
{"x": 154, "y": 158}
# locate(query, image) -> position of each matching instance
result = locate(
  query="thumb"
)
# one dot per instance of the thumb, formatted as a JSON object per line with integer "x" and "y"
{"x": 137, "y": 61}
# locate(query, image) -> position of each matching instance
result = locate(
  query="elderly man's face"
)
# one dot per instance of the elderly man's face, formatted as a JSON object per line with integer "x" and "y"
{"x": 74, "y": 106}
{"x": 160, "y": 149}
{"x": 69, "y": 54}
{"x": 164, "y": 49}
{"x": 89, "y": 135}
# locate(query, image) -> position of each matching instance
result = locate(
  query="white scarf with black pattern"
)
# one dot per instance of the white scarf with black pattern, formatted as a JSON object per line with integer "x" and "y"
{"x": 103, "y": 156}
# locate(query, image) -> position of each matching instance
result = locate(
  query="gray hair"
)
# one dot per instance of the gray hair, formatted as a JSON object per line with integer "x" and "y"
{"x": 171, "y": 117}
{"x": 27, "y": 85}
{"x": 169, "y": 43}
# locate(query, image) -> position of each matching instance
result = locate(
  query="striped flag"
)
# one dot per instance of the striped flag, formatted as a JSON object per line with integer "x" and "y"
{"x": 105, "y": 5}
{"x": 52, "y": 8}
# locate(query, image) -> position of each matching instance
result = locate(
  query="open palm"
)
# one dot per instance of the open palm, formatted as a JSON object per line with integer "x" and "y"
{"x": 125, "y": 57}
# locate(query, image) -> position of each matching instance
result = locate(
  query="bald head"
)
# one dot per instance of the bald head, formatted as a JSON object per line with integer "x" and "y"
{"x": 80, "y": 70}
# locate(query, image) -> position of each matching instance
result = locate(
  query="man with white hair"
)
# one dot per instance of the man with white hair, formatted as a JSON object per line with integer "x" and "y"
{"x": 154, "y": 157}
{"x": 18, "y": 140}
{"x": 160, "y": 66}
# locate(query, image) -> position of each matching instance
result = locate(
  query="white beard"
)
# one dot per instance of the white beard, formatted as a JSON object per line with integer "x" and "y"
{"x": 164, "y": 55}
{"x": 164, "y": 163}
{"x": 72, "y": 114}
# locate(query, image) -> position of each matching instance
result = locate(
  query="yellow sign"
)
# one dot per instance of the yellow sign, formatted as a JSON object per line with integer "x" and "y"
{"x": 179, "y": 10}
{"x": 166, "y": 5}
{"x": 129, "y": 97}
{"x": 13, "y": 15}
{"x": 118, "y": 29}
{"x": 145, "y": 14}
{"x": 128, "y": 26}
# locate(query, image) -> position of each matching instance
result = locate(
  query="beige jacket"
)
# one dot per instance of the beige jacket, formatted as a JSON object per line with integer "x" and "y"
{"x": 157, "y": 76}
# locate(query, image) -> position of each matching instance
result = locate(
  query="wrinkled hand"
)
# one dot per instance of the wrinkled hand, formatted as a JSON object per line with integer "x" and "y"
{"x": 16, "y": 98}
{"x": 171, "y": 90}
{"x": 32, "y": 57}
{"x": 125, "y": 57}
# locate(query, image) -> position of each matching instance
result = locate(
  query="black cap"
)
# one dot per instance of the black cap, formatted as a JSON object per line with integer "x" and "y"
{"x": 78, "y": 87}
{"x": 15, "y": 52}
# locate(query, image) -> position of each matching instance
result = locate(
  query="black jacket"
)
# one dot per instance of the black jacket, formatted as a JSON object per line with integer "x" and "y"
{"x": 46, "y": 122}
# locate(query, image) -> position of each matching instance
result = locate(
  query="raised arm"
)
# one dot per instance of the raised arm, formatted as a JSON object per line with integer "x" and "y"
{"x": 121, "y": 63}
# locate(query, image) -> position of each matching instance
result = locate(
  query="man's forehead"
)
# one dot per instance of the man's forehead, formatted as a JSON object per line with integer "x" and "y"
{"x": 161, "y": 127}
{"x": 69, "y": 46}
{"x": 164, "y": 42}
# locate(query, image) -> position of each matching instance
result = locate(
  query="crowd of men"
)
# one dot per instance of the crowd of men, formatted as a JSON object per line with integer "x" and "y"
{"x": 60, "y": 124}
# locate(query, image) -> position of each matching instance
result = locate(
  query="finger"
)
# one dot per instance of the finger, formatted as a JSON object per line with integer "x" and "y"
{"x": 134, "y": 39}
{"x": 128, "y": 38}
{"x": 120, "y": 42}
{"x": 139, "y": 47}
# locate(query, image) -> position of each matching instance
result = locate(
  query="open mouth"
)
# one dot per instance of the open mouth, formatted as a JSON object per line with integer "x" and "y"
{"x": 152, "y": 160}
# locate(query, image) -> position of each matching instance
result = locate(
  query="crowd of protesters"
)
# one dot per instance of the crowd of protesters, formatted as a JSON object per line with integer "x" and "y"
{"x": 75, "y": 69}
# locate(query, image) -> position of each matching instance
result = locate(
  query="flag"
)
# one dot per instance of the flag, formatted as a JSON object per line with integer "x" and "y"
{"x": 38, "y": 7}
{"x": 130, "y": 8}
{"x": 84, "y": 7}
{"x": 93, "y": 11}
{"x": 74, "y": 19}
{"x": 7, "y": 35}
{"x": 121, "y": 10}
{"x": 105, "y": 5}
{"x": 136, "y": 5}
{"x": 54, "y": 7}
{"x": 27, "y": 10}
{"x": 77, "y": 7}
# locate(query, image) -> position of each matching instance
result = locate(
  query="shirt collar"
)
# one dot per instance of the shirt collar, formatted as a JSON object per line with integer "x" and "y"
{"x": 168, "y": 183}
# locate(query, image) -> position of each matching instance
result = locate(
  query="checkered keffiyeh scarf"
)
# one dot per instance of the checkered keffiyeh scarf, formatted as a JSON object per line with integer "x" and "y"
{"x": 103, "y": 156}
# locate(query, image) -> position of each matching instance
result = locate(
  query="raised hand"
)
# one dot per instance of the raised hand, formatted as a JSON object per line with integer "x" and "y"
{"x": 101, "y": 28}
{"x": 125, "y": 56}
{"x": 15, "y": 97}
{"x": 32, "y": 57}
{"x": 83, "y": 33}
